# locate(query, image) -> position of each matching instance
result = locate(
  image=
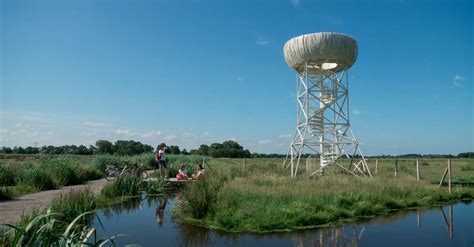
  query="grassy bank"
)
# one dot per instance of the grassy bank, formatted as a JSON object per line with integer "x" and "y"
{"x": 262, "y": 197}
{"x": 35, "y": 173}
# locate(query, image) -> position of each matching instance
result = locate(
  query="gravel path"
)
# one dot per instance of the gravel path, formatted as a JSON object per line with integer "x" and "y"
{"x": 12, "y": 210}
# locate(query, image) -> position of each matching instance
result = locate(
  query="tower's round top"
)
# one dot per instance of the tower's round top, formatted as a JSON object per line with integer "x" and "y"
{"x": 330, "y": 51}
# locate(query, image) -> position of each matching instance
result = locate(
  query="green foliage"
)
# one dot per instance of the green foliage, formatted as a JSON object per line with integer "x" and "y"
{"x": 156, "y": 187}
{"x": 262, "y": 197}
{"x": 123, "y": 186}
{"x": 200, "y": 195}
{"x": 49, "y": 230}
{"x": 130, "y": 147}
{"x": 37, "y": 177}
{"x": 467, "y": 167}
{"x": 7, "y": 175}
{"x": 104, "y": 147}
{"x": 74, "y": 203}
{"x": 5, "y": 193}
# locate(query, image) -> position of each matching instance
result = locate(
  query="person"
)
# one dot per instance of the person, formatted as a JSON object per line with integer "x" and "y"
{"x": 161, "y": 160}
{"x": 182, "y": 173}
{"x": 199, "y": 172}
{"x": 160, "y": 211}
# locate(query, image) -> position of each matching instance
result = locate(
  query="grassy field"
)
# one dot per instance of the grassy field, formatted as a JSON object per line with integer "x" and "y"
{"x": 22, "y": 174}
{"x": 259, "y": 196}
{"x": 262, "y": 197}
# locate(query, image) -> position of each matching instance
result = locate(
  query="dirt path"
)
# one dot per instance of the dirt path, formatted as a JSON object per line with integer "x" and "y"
{"x": 11, "y": 210}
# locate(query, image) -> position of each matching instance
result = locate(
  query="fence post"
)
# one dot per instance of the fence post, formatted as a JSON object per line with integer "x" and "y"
{"x": 417, "y": 169}
{"x": 449, "y": 176}
{"x": 376, "y": 165}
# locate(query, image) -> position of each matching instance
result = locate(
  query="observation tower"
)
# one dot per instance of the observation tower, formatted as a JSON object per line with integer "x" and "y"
{"x": 321, "y": 62}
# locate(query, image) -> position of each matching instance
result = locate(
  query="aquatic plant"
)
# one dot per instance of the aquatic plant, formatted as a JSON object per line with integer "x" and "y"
{"x": 49, "y": 230}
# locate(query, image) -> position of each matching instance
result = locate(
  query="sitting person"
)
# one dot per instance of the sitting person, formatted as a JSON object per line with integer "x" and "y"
{"x": 199, "y": 173}
{"x": 182, "y": 173}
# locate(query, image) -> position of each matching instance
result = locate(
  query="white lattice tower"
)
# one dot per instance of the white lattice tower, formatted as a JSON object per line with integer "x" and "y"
{"x": 321, "y": 62}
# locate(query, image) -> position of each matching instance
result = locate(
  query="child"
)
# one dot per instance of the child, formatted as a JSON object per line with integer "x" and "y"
{"x": 199, "y": 173}
{"x": 182, "y": 173}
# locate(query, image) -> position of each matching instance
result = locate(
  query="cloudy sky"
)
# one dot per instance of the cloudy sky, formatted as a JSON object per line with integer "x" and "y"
{"x": 192, "y": 72}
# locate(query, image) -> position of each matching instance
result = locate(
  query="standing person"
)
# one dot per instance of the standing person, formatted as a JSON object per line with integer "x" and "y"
{"x": 160, "y": 157}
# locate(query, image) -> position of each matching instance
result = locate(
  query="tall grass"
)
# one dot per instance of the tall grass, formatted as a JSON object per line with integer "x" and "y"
{"x": 123, "y": 186}
{"x": 49, "y": 230}
{"x": 47, "y": 172}
{"x": 262, "y": 199}
{"x": 74, "y": 203}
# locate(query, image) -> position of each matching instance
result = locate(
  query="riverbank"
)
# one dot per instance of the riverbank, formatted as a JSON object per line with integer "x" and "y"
{"x": 266, "y": 200}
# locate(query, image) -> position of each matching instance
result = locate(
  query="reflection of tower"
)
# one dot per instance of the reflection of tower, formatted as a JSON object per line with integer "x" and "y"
{"x": 321, "y": 62}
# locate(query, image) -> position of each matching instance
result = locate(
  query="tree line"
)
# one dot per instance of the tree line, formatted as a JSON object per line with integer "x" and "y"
{"x": 227, "y": 149}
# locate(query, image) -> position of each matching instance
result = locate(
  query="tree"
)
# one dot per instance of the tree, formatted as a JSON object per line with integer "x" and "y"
{"x": 185, "y": 152}
{"x": 203, "y": 149}
{"x": 173, "y": 150}
{"x": 104, "y": 147}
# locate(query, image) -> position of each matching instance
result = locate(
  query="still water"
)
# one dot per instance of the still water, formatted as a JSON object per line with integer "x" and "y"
{"x": 148, "y": 222}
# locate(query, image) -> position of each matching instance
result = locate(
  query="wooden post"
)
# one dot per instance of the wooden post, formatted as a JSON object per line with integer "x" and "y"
{"x": 449, "y": 176}
{"x": 444, "y": 176}
{"x": 417, "y": 169}
{"x": 376, "y": 165}
{"x": 396, "y": 167}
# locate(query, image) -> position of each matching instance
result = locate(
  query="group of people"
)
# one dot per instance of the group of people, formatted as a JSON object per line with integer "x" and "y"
{"x": 182, "y": 172}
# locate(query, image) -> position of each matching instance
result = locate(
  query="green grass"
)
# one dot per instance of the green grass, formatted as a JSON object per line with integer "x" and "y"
{"x": 262, "y": 197}
{"x": 48, "y": 229}
{"x": 124, "y": 186}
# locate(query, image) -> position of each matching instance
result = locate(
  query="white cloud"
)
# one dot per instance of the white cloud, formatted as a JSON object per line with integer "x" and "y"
{"x": 4, "y": 131}
{"x": 263, "y": 142}
{"x": 262, "y": 41}
{"x": 151, "y": 134}
{"x": 169, "y": 138}
{"x": 457, "y": 80}
{"x": 284, "y": 136}
{"x": 51, "y": 132}
{"x": 188, "y": 134}
{"x": 96, "y": 124}
{"x": 125, "y": 132}
{"x": 356, "y": 112}
{"x": 34, "y": 134}
{"x": 295, "y": 3}
{"x": 93, "y": 133}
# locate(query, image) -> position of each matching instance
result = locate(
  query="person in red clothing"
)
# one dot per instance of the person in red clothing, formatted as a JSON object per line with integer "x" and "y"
{"x": 182, "y": 173}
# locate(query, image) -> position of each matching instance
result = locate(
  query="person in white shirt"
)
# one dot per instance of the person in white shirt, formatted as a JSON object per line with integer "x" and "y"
{"x": 161, "y": 159}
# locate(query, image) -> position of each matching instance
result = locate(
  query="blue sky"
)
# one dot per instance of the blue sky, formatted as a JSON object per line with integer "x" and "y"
{"x": 192, "y": 72}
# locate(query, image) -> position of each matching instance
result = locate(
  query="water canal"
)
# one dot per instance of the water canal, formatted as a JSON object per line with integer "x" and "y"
{"x": 148, "y": 222}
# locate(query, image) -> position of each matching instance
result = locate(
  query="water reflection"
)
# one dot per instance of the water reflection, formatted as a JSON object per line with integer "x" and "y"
{"x": 160, "y": 210}
{"x": 147, "y": 221}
